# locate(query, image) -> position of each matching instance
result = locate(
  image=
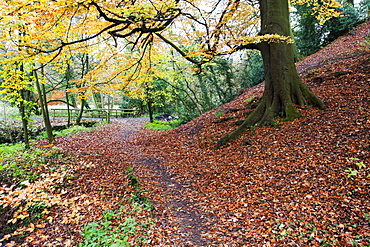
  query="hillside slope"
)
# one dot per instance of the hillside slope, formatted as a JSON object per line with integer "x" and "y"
{"x": 294, "y": 185}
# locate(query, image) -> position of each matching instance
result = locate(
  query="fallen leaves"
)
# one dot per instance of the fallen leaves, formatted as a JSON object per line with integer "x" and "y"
{"x": 289, "y": 187}
{"x": 293, "y": 173}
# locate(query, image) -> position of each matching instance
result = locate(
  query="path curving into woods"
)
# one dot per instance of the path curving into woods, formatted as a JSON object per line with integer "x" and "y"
{"x": 101, "y": 182}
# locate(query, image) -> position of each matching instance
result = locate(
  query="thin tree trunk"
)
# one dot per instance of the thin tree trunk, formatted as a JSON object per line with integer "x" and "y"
{"x": 219, "y": 90}
{"x": 47, "y": 113}
{"x": 108, "y": 110}
{"x": 24, "y": 97}
{"x": 44, "y": 109}
{"x": 149, "y": 103}
{"x": 22, "y": 109}
{"x": 69, "y": 117}
{"x": 206, "y": 101}
{"x": 81, "y": 111}
{"x": 68, "y": 77}
{"x": 85, "y": 69}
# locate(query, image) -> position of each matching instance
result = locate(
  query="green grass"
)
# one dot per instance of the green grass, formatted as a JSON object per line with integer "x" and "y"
{"x": 25, "y": 170}
{"x": 162, "y": 125}
{"x": 219, "y": 113}
{"x": 74, "y": 130}
{"x": 128, "y": 225}
{"x": 120, "y": 227}
{"x": 250, "y": 99}
{"x": 18, "y": 164}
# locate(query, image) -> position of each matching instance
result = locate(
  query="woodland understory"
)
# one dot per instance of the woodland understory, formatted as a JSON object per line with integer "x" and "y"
{"x": 288, "y": 185}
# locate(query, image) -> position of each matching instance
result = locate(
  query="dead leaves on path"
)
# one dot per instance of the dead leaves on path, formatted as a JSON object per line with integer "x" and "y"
{"x": 293, "y": 185}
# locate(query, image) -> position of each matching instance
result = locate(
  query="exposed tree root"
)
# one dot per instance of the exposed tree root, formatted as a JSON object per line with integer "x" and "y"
{"x": 271, "y": 107}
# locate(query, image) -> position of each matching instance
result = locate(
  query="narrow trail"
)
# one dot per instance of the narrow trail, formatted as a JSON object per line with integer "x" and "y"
{"x": 99, "y": 183}
{"x": 173, "y": 207}
{"x": 107, "y": 152}
{"x": 240, "y": 195}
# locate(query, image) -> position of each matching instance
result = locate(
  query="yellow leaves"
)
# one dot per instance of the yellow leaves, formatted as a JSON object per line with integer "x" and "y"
{"x": 6, "y": 237}
{"x": 50, "y": 219}
{"x": 66, "y": 220}
{"x": 39, "y": 194}
{"x": 322, "y": 9}
{"x": 13, "y": 221}
{"x": 73, "y": 217}
{"x": 15, "y": 77}
{"x": 30, "y": 228}
{"x": 26, "y": 183}
{"x": 11, "y": 244}
{"x": 143, "y": 10}
{"x": 44, "y": 25}
{"x": 274, "y": 38}
{"x": 68, "y": 243}
{"x": 22, "y": 215}
{"x": 269, "y": 38}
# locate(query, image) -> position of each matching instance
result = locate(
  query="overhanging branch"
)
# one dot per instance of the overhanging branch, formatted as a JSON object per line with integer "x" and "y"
{"x": 183, "y": 54}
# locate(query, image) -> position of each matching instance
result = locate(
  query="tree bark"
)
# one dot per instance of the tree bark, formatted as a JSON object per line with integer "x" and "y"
{"x": 84, "y": 71}
{"x": 25, "y": 119}
{"x": 44, "y": 109}
{"x": 81, "y": 111}
{"x": 150, "y": 110}
{"x": 108, "y": 109}
{"x": 283, "y": 87}
{"x": 68, "y": 77}
{"x": 23, "y": 110}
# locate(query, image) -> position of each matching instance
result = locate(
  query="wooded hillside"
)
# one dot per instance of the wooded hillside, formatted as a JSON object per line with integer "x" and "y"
{"x": 300, "y": 183}
{"x": 291, "y": 185}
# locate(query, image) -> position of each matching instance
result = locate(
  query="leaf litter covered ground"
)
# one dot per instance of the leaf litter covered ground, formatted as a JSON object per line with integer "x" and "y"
{"x": 303, "y": 183}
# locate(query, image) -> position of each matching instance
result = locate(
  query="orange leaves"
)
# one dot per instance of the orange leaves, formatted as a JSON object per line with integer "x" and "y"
{"x": 33, "y": 199}
{"x": 47, "y": 146}
{"x": 288, "y": 187}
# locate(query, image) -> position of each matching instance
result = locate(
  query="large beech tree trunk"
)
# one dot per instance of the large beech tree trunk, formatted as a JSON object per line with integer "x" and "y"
{"x": 283, "y": 87}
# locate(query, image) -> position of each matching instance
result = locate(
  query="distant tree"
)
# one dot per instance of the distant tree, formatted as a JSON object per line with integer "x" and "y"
{"x": 44, "y": 106}
{"x": 311, "y": 35}
{"x": 364, "y": 9}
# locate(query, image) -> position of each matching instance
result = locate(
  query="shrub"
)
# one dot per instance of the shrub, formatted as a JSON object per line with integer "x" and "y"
{"x": 163, "y": 125}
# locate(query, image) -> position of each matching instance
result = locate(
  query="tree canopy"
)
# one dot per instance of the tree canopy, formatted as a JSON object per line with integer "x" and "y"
{"x": 47, "y": 29}
{"x": 130, "y": 37}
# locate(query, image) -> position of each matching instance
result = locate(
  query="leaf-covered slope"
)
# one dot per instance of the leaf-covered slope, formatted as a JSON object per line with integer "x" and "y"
{"x": 294, "y": 184}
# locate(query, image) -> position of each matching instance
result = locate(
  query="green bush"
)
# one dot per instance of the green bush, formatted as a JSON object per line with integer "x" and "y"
{"x": 129, "y": 225}
{"x": 163, "y": 125}
{"x": 117, "y": 228}
{"x": 311, "y": 36}
{"x": 18, "y": 164}
{"x": 72, "y": 130}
